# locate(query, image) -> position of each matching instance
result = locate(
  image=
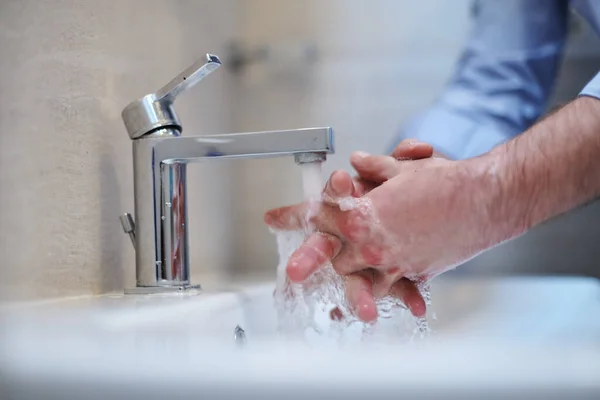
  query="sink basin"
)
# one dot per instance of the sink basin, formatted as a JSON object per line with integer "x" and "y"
{"x": 518, "y": 337}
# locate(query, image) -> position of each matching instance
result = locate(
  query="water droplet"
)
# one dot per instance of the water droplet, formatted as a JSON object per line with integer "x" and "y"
{"x": 168, "y": 204}
{"x": 422, "y": 325}
{"x": 163, "y": 217}
{"x": 158, "y": 263}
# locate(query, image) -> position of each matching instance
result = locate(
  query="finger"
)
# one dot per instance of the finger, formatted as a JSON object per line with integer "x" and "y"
{"x": 346, "y": 262}
{"x": 407, "y": 291}
{"x": 360, "y": 297}
{"x": 377, "y": 169}
{"x": 412, "y": 149}
{"x": 339, "y": 185}
{"x": 316, "y": 250}
{"x": 382, "y": 283}
{"x": 287, "y": 218}
{"x": 325, "y": 218}
{"x": 362, "y": 186}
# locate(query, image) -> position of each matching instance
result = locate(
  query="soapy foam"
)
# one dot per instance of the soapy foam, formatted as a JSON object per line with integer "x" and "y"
{"x": 303, "y": 309}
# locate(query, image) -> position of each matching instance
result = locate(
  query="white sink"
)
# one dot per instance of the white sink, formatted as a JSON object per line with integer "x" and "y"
{"x": 519, "y": 337}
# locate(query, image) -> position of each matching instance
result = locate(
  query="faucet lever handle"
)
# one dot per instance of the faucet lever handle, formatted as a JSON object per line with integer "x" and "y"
{"x": 128, "y": 226}
{"x": 188, "y": 78}
{"x": 155, "y": 111}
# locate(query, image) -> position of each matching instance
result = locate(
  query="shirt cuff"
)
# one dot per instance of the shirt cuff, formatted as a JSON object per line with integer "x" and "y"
{"x": 592, "y": 88}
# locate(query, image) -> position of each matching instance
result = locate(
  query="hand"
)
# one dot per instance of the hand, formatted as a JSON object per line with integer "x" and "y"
{"x": 399, "y": 229}
{"x": 408, "y": 149}
{"x": 340, "y": 186}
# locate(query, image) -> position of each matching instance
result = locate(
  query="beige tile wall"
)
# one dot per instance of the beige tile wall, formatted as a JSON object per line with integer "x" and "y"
{"x": 67, "y": 68}
{"x": 378, "y": 63}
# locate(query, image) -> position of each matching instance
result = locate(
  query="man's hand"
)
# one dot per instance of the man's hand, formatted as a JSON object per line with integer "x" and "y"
{"x": 421, "y": 221}
{"x": 341, "y": 186}
{"x": 430, "y": 215}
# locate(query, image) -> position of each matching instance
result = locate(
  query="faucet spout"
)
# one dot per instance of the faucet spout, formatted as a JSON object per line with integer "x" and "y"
{"x": 235, "y": 145}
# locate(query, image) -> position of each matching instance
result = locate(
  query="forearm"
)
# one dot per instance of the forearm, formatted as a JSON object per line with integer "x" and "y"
{"x": 550, "y": 169}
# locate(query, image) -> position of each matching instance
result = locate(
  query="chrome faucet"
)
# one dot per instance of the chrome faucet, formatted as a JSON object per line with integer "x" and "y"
{"x": 160, "y": 156}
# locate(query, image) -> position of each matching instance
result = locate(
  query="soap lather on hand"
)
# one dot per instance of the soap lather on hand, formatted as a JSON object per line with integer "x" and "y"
{"x": 352, "y": 234}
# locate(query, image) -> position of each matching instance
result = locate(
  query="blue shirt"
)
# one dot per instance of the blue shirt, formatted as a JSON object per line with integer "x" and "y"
{"x": 504, "y": 76}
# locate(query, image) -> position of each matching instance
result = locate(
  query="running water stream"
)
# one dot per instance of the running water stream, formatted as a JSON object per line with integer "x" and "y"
{"x": 306, "y": 310}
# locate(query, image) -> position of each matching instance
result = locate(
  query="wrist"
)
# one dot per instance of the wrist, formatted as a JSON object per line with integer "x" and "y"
{"x": 549, "y": 169}
{"x": 493, "y": 188}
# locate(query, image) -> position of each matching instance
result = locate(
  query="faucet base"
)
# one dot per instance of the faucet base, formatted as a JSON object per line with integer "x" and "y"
{"x": 161, "y": 289}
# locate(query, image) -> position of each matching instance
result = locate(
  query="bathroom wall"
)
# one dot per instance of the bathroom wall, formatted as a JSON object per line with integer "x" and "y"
{"x": 377, "y": 65}
{"x": 67, "y": 68}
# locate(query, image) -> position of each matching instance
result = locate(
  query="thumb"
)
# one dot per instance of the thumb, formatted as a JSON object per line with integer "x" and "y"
{"x": 376, "y": 169}
{"x": 412, "y": 149}
{"x": 339, "y": 186}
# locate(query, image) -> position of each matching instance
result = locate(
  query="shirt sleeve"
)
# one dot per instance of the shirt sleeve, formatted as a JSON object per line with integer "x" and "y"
{"x": 502, "y": 80}
{"x": 592, "y": 89}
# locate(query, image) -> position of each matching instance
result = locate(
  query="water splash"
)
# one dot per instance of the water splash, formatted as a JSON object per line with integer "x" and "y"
{"x": 304, "y": 310}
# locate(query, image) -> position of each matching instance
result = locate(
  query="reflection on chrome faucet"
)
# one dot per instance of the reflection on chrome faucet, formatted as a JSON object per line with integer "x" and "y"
{"x": 239, "y": 336}
{"x": 160, "y": 158}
